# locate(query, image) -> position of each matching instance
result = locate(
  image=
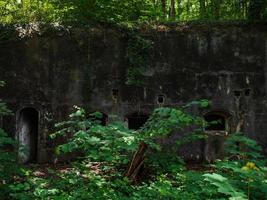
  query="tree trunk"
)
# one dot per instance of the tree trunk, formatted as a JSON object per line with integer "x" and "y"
{"x": 188, "y": 6}
{"x": 202, "y": 9}
{"x": 163, "y": 6}
{"x": 137, "y": 162}
{"x": 216, "y": 9}
{"x": 179, "y": 9}
{"x": 172, "y": 10}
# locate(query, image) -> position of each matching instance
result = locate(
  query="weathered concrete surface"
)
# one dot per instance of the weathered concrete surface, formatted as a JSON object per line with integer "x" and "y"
{"x": 55, "y": 69}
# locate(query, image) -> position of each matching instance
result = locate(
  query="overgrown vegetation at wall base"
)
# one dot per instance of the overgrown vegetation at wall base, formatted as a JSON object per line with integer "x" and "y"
{"x": 125, "y": 11}
{"x": 104, "y": 155}
{"x": 8, "y": 162}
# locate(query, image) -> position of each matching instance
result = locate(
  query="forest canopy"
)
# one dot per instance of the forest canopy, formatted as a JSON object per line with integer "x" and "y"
{"x": 120, "y": 11}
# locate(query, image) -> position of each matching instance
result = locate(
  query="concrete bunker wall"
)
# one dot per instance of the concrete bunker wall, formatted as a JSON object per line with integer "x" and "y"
{"x": 55, "y": 68}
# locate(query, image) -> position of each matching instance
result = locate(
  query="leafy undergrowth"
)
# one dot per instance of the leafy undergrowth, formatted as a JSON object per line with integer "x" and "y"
{"x": 226, "y": 180}
{"x": 107, "y": 152}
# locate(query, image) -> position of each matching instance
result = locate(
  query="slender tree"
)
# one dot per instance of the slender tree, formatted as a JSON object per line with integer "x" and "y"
{"x": 216, "y": 9}
{"x": 172, "y": 10}
{"x": 179, "y": 9}
{"x": 163, "y": 6}
{"x": 202, "y": 9}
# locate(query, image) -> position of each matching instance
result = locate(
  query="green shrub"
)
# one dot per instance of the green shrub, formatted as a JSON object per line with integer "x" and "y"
{"x": 9, "y": 168}
{"x": 105, "y": 151}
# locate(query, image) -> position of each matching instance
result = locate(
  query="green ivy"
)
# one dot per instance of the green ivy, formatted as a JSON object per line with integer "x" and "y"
{"x": 138, "y": 54}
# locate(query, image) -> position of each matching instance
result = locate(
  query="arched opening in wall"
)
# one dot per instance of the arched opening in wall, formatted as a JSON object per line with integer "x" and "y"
{"x": 136, "y": 120}
{"x": 27, "y": 135}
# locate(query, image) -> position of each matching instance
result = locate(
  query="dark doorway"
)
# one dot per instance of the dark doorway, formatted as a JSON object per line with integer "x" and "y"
{"x": 216, "y": 130}
{"x": 27, "y": 135}
{"x": 136, "y": 120}
{"x": 216, "y": 122}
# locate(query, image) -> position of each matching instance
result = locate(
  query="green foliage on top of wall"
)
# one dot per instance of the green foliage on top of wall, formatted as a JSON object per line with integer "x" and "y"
{"x": 127, "y": 11}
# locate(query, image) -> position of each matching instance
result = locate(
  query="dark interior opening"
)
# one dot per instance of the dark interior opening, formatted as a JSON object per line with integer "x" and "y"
{"x": 161, "y": 99}
{"x": 115, "y": 93}
{"x": 137, "y": 120}
{"x": 247, "y": 92}
{"x": 28, "y": 134}
{"x": 216, "y": 122}
{"x": 237, "y": 93}
{"x": 102, "y": 120}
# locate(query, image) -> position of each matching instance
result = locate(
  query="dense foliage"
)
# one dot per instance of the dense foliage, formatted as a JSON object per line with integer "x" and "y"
{"x": 105, "y": 151}
{"x": 8, "y": 161}
{"x": 125, "y": 11}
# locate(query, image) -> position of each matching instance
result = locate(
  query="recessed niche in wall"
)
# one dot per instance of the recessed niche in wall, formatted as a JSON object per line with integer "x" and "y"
{"x": 115, "y": 94}
{"x": 160, "y": 99}
{"x": 237, "y": 93}
{"x": 247, "y": 92}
